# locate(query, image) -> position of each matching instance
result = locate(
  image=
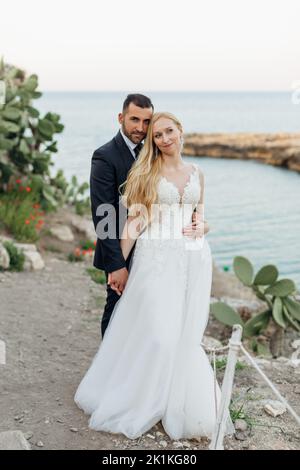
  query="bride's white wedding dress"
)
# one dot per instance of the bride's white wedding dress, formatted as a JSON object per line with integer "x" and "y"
{"x": 150, "y": 365}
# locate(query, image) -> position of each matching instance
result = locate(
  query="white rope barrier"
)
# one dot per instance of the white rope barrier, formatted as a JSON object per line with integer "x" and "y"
{"x": 222, "y": 416}
{"x": 271, "y": 385}
{"x": 234, "y": 346}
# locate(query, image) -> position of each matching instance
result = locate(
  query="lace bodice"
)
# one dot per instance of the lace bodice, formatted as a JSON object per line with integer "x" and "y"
{"x": 173, "y": 210}
{"x": 168, "y": 193}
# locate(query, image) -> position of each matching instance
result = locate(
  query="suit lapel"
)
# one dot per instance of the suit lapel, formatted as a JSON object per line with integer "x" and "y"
{"x": 125, "y": 153}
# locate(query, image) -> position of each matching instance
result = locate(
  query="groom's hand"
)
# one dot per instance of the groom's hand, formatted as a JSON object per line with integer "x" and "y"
{"x": 117, "y": 280}
{"x": 197, "y": 228}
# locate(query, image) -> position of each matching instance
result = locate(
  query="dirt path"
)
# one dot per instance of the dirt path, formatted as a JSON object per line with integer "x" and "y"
{"x": 50, "y": 323}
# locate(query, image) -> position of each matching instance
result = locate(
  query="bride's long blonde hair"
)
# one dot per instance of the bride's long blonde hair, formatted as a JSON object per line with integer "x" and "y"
{"x": 142, "y": 180}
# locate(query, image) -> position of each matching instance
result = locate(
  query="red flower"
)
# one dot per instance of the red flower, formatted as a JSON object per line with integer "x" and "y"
{"x": 36, "y": 206}
{"x": 95, "y": 243}
{"x": 27, "y": 221}
{"x": 28, "y": 189}
{"x": 18, "y": 181}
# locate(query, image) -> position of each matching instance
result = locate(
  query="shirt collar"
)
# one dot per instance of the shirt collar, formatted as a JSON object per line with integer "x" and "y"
{"x": 128, "y": 142}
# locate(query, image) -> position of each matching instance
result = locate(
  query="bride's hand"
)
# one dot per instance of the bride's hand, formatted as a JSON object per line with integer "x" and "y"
{"x": 197, "y": 228}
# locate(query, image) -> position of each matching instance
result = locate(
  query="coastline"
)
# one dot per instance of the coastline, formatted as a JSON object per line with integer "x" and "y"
{"x": 277, "y": 149}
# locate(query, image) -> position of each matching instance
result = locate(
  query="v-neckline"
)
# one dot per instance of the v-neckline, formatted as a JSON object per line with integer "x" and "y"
{"x": 186, "y": 184}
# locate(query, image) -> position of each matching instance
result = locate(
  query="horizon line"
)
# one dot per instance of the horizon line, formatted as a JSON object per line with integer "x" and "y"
{"x": 168, "y": 91}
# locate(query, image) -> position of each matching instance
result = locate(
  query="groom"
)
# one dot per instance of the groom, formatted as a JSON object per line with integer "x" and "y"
{"x": 110, "y": 165}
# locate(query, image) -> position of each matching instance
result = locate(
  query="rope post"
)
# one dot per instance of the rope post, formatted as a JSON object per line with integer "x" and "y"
{"x": 219, "y": 431}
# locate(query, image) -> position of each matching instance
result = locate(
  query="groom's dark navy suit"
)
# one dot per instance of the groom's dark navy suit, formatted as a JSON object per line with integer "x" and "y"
{"x": 110, "y": 165}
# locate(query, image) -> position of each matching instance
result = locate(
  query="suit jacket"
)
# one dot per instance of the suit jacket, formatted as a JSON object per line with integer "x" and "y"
{"x": 110, "y": 165}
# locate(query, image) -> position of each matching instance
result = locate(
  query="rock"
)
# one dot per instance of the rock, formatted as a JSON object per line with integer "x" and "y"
{"x": 62, "y": 232}
{"x": 296, "y": 344}
{"x": 150, "y": 436}
{"x": 280, "y": 363}
{"x": 33, "y": 261}
{"x": 241, "y": 436}
{"x": 28, "y": 435}
{"x": 85, "y": 226}
{"x": 26, "y": 247}
{"x": 186, "y": 444}
{"x": 211, "y": 342}
{"x": 4, "y": 257}
{"x": 297, "y": 389}
{"x": 261, "y": 362}
{"x": 163, "y": 443}
{"x": 13, "y": 440}
{"x": 3, "y": 238}
{"x": 240, "y": 425}
{"x": 294, "y": 360}
{"x": 74, "y": 429}
{"x": 278, "y": 149}
{"x": 274, "y": 408}
{"x": 40, "y": 444}
{"x": 239, "y": 304}
{"x": 177, "y": 444}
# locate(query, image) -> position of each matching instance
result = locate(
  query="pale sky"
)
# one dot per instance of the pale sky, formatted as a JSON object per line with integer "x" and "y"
{"x": 154, "y": 45}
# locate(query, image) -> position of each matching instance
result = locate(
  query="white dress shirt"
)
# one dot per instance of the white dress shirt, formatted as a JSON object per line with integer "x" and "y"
{"x": 131, "y": 145}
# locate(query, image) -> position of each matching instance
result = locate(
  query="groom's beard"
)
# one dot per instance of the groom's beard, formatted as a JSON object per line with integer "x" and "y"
{"x": 135, "y": 137}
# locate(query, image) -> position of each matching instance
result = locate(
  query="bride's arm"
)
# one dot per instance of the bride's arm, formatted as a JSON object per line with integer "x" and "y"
{"x": 200, "y": 205}
{"x": 131, "y": 232}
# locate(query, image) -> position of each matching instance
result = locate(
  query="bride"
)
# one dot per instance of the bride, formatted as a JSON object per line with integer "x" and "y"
{"x": 150, "y": 366}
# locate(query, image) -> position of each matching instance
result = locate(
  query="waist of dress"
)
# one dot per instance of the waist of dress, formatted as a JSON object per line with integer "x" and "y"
{"x": 163, "y": 240}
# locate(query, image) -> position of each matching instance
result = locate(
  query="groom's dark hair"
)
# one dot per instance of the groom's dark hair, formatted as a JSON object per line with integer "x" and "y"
{"x": 139, "y": 100}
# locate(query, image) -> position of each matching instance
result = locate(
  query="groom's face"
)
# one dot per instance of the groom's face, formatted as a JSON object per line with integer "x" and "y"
{"x": 135, "y": 122}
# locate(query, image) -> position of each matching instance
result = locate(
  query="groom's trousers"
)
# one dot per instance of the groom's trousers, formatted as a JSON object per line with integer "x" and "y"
{"x": 111, "y": 299}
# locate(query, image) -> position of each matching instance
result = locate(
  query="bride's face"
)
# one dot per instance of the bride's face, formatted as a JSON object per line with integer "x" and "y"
{"x": 167, "y": 136}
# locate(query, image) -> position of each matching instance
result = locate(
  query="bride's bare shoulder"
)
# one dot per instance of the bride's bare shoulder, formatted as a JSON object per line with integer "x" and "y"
{"x": 199, "y": 170}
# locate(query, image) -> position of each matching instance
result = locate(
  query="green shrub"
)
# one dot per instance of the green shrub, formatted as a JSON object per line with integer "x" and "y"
{"x": 20, "y": 213}
{"x": 97, "y": 275}
{"x": 281, "y": 308}
{"x": 17, "y": 257}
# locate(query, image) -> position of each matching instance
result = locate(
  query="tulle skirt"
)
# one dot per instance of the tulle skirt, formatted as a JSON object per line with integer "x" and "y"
{"x": 150, "y": 366}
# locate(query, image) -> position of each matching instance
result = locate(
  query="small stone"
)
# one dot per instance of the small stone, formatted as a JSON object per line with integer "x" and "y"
{"x": 177, "y": 444}
{"x": 74, "y": 429}
{"x": 150, "y": 436}
{"x": 40, "y": 444}
{"x": 240, "y": 425}
{"x": 240, "y": 436}
{"x": 28, "y": 435}
{"x": 211, "y": 342}
{"x": 62, "y": 232}
{"x": 186, "y": 444}
{"x": 4, "y": 258}
{"x": 274, "y": 408}
{"x": 13, "y": 440}
{"x": 163, "y": 443}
